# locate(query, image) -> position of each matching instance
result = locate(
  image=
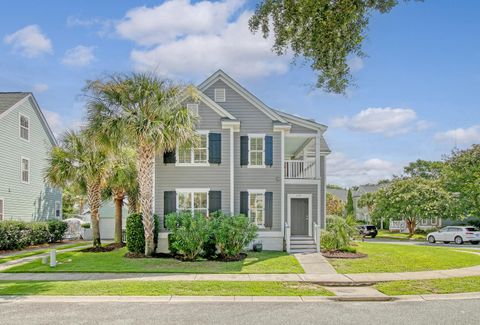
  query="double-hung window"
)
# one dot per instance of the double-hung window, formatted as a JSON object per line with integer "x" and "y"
{"x": 256, "y": 207}
{"x": 256, "y": 150}
{"x": 58, "y": 209}
{"x": 193, "y": 107}
{"x": 24, "y": 127}
{"x": 195, "y": 155}
{"x": 193, "y": 201}
{"x": 25, "y": 170}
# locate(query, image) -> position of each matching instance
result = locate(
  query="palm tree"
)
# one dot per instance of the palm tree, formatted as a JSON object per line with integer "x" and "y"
{"x": 80, "y": 159}
{"x": 122, "y": 179}
{"x": 149, "y": 114}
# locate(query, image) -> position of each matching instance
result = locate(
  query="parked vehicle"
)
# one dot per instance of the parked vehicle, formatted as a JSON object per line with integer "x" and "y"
{"x": 368, "y": 230}
{"x": 456, "y": 234}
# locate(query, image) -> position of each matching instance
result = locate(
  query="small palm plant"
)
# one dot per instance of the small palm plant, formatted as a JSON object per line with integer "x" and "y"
{"x": 81, "y": 160}
{"x": 149, "y": 114}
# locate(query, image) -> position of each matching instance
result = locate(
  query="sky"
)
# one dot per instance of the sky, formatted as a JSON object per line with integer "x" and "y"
{"x": 416, "y": 94}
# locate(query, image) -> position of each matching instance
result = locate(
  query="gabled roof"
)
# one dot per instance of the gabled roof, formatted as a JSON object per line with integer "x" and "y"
{"x": 308, "y": 123}
{"x": 9, "y": 101}
{"x": 215, "y": 107}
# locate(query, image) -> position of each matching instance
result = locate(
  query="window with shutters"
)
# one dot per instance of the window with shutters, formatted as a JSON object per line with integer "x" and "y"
{"x": 256, "y": 150}
{"x": 256, "y": 207}
{"x": 194, "y": 155}
{"x": 193, "y": 201}
{"x": 193, "y": 107}
{"x": 24, "y": 127}
{"x": 2, "y": 209}
{"x": 58, "y": 209}
{"x": 219, "y": 95}
{"x": 25, "y": 170}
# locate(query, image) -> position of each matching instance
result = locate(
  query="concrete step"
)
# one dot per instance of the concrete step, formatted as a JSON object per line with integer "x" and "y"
{"x": 302, "y": 250}
{"x": 302, "y": 246}
{"x": 301, "y": 238}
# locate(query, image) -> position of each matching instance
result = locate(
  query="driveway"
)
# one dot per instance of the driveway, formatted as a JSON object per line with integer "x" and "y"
{"x": 419, "y": 243}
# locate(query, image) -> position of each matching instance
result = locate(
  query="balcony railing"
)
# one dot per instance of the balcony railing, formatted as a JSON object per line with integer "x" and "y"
{"x": 299, "y": 169}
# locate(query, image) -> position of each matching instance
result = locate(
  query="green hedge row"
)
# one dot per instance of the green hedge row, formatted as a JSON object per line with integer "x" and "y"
{"x": 20, "y": 234}
{"x": 136, "y": 234}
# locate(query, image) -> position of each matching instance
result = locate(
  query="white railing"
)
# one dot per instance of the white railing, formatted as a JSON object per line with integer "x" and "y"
{"x": 316, "y": 236}
{"x": 299, "y": 169}
{"x": 397, "y": 225}
{"x": 287, "y": 237}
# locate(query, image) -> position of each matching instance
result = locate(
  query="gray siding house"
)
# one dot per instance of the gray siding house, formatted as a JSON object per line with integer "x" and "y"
{"x": 25, "y": 139}
{"x": 254, "y": 160}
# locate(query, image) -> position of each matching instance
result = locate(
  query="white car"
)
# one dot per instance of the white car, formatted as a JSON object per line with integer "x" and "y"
{"x": 457, "y": 234}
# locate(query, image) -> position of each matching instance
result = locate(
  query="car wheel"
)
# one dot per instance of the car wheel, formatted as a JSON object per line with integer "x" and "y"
{"x": 431, "y": 239}
{"x": 474, "y": 242}
{"x": 458, "y": 240}
{"x": 373, "y": 236}
{"x": 446, "y": 242}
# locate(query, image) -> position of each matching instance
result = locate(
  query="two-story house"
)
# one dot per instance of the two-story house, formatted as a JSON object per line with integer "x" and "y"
{"x": 25, "y": 139}
{"x": 252, "y": 159}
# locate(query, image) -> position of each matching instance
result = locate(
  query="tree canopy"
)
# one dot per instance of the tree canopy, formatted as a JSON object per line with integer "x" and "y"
{"x": 424, "y": 169}
{"x": 335, "y": 206}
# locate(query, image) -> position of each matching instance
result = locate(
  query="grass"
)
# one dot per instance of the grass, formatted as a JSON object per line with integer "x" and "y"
{"x": 159, "y": 288}
{"x": 404, "y": 258}
{"x": 437, "y": 286}
{"x": 115, "y": 262}
{"x": 38, "y": 252}
{"x": 399, "y": 235}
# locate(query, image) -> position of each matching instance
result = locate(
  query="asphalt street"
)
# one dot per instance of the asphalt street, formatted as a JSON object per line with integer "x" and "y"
{"x": 403, "y": 312}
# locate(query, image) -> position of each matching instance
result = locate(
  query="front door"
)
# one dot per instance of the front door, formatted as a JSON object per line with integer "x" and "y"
{"x": 299, "y": 217}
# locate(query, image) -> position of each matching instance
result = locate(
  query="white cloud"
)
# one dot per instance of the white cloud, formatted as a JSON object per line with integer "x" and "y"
{"x": 29, "y": 41}
{"x": 185, "y": 39}
{"x": 345, "y": 171}
{"x": 40, "y": 88}
{"x": 388, "y": 121}
{"x": 355, "y": 63}
{"x": 460, "y": 136}
{"x": 79, "y": 56}
{"x": 59, "y": 124}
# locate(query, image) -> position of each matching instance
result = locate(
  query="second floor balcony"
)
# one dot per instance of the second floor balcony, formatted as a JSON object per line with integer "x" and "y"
{"x": 300, "y": 157}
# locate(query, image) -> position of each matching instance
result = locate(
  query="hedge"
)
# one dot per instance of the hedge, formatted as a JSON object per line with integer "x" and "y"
{"x": 20, "y": 234}
{"x": 136, "y": 234}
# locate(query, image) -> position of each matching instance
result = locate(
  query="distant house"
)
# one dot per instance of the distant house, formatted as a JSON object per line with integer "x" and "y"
{"x": 357, "y": 192}
{"x": 25, "y": 139}
{"x": 107, "y": 218}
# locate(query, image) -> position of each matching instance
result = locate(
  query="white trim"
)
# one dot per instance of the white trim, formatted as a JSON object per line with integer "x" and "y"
{"x": 262, "y": 192}
{"x": 232, "y": 172}
{"x": 14, "y": 106}
{"x": 281, "y": 127}
{"x": 192, "y": 162}
{"x": 220, "y": 75}
{"x": 282, "y": 180}
{"x": 193, "y": 107}
{"x": 191, "y": 191}
{"x": 217, "y": 95}
{"x": 231, "y": 124}
{"x": 289, "y": 212}
{"x": 2, "y": 214}
{"x": 302, "y": 181}
{"x": 217, "y": 108}
{"x": 301, "y": 135}
{"x": 21, "y": 170}
{"x": 302, "y": 121}
{"x": 20, "y": 115}
{"x": 256, "y": 136}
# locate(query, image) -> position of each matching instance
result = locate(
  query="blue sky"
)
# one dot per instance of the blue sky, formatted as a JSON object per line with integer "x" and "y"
{"x": 416, "y": 94}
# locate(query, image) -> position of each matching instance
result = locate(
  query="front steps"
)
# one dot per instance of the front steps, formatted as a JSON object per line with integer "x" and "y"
{"x": 302, "y": 244}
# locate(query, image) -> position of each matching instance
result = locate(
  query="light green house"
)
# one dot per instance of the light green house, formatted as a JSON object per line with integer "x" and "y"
{"x": 25, "y": 139}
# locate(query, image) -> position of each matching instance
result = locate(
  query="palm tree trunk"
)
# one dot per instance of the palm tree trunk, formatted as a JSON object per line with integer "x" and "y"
{"x": 146, "y": 157}
{"x": 132, "y": 204}
{"x": 118, "y": 197}
{"x": 94, "y": 201}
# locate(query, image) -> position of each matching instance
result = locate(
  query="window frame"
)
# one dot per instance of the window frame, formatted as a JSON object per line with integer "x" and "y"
{"x": 20, "y": 127}
{"x": 2, "y": 210}
{"x": 195, "y": 106}
{"x": 256, "y": 192}
{"x": 256, "y": 136}
{"x": 215, "y": 96}
{"x": 192, "y": 162}
{"x": 59, "y": 209}
{"x": 191, "y": 192}
{"x": 28, "y": 170}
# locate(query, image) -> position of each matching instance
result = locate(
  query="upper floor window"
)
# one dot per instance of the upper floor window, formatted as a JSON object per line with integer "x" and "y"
{"x": 25, "y": 170}
{"x": 193, "y": 108}
{"x": 219, "y": 94}
{"x": 256, "y": 207}
{"x": 58, "y": 209}
{"x": 256, "y": 150}
{"x": 193, "y": 201}
{"x": 24, "y": 127}
{"x": 195, "y": 154}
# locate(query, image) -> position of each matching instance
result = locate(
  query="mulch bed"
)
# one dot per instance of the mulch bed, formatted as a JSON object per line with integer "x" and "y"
{"x": 103, "y": 249}
{"x": 240, "y": 257}
{"x": 345, "y": 255}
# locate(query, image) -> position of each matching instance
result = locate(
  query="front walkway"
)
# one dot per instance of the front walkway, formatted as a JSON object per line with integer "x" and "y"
{"x": 315, "y": 263}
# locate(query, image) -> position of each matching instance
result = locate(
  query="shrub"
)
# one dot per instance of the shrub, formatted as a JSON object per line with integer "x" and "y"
{"x": 338, "y": 234}
{"x": 232, "y": 234}
{"x": 188, "y": 234}
{"x": 12, "y": 235}
{"x": 85, "y": 225}
{"x": 135, "y": 233}
{"x": 57, "y": 229}
{"x": 38, "y": 233}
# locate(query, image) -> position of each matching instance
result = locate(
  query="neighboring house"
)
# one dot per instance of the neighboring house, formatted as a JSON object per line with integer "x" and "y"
{"x": 25, "y": 139}
{"x": 107, "y": 218}
{"x": 252, "y": 159}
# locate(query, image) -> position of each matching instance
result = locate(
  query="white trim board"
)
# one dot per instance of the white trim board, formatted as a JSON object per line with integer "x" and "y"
{"x": 289, "y": 209}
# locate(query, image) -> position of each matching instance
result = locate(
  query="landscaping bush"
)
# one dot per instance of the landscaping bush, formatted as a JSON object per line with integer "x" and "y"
{"x": 338, "y": 234}
{"x": 37, "y": 233}
{"x": 189, "y": 234}
{"x": 57, "y": 229}
{"x": 135, "y": 233}
{"x": 232, "y": 234}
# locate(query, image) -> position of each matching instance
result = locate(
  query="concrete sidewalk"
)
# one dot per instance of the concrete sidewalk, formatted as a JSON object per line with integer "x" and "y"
{"x": 315, "y": 263}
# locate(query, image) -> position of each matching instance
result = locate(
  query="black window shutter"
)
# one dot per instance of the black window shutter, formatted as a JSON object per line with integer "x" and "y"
{"x": 268, "y": 209}
{"x": 244, "y": 203}
{"x": 268, "y": 150}
{"x": 214, "y": 201}
{"x": 215, "y": 148}
{"x": 243, "y": 150}
{"x": 169, "y": 204}
{"x": 169, "y": 157}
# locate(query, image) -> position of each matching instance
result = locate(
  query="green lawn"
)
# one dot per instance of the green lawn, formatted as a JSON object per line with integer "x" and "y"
{"x": 398, "y": 235}
{"x": 159, "y": 288}
{"x": 438, "y": 286}
{"x": 38, "y": 252}
{"x": 404, "y": 258}
{"x": 115, "y": 262}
